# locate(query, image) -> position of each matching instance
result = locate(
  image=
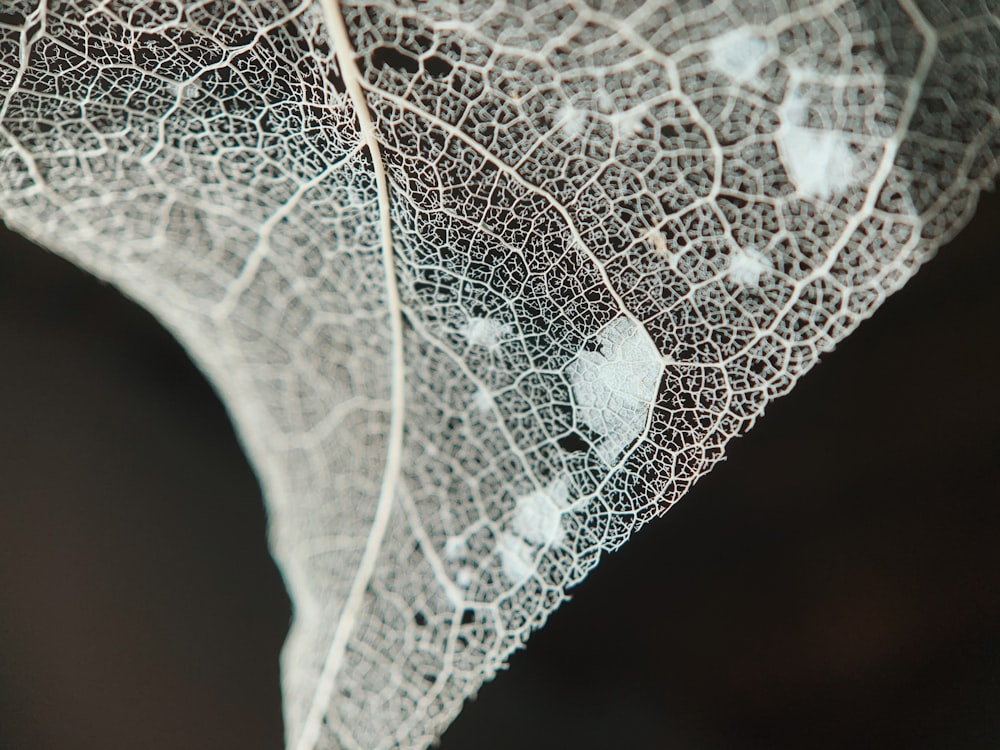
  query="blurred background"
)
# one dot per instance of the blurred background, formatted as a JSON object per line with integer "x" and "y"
{"x": 834, "y": 584}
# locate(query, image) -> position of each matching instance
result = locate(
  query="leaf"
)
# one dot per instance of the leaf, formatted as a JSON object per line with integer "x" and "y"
{"x": 486, "y": 288}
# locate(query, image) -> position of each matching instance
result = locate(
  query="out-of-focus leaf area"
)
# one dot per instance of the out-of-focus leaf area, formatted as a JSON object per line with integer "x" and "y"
{"x": 835, "y": 585}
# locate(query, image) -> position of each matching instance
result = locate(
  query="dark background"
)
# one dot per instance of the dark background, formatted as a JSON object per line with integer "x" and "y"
{"x": 835, "y": 584}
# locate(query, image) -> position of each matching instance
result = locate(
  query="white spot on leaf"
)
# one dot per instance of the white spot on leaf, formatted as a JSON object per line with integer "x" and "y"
{"x": 746, "y": 265}
{"x": 537, "y": 522}
{"x": 739, "y": 54}
{"x": 454, "y": 548}
{"x": 464, "y": 577}
{"x": 538, "y": 518}
{"x": 819, "y": 162}
{"x": 482, "y": 400}
{"x": 485, "y": 332}
{"x": 614, "y": 388}
{"x": 516, "y": 557}
{"x": 571, "y": 120}
{"x": 629, "y": 122}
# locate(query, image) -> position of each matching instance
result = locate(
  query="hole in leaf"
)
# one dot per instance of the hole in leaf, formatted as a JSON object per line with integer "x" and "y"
{"x": 573, "y": 443}
{"x": 395, "y": 58}
{"x": 335, "y": 79}
{"x": 437, "y": 67}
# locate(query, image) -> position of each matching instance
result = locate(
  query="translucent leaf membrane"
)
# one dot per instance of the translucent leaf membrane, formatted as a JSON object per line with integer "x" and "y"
{"x": 615, "y": 232}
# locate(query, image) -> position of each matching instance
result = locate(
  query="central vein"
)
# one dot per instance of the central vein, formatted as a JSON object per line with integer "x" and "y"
{"x": 351, "y": 74}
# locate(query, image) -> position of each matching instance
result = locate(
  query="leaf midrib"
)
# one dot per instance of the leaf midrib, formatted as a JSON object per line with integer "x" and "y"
{"x": 346, "y": 58}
